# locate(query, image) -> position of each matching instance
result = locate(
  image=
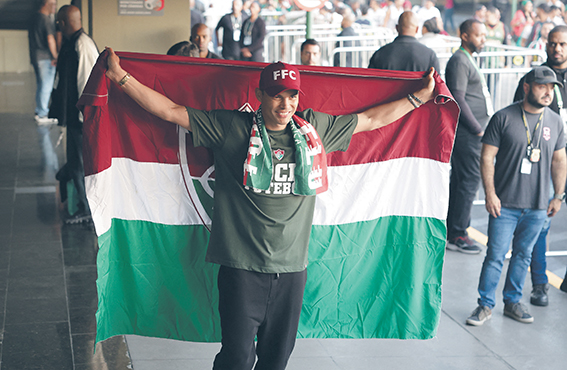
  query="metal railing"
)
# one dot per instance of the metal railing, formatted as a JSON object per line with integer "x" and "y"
{"x": 284, "y": 42}
{"x": 502, "y": 67}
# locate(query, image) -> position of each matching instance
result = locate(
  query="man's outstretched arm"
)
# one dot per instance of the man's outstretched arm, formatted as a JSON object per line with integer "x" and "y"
{"x": 152, "y": 101}
{"x": 384, "y": 114}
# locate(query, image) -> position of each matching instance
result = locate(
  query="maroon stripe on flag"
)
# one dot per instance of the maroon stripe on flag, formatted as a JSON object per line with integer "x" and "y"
{"x": 115, "y": 126}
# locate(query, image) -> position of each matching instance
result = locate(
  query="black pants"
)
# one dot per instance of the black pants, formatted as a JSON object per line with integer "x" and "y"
{"x": 465, "y": 180}
{"x": 264, "y": 305}
{"x": 74, "y": 170}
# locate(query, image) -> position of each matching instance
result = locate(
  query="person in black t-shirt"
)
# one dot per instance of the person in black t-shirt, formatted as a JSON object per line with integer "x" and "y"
{"x": 231, "y": 25}
{"x": 522, "y": 149}
{"x": 556, "y": 50}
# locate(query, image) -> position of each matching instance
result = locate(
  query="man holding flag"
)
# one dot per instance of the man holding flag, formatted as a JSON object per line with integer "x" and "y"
{"x": 263, "y": 211}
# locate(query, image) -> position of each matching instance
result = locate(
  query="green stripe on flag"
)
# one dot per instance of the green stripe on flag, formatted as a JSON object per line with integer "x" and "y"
{"x": 153, "y": 280}
{"x": 386, "y": 283}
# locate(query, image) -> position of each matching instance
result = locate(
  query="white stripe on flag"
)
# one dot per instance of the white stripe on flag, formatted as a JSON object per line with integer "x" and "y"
{"x": 155, "y": 192}
{"x": 408, "y": 186}
{"x": 131, "y": 190}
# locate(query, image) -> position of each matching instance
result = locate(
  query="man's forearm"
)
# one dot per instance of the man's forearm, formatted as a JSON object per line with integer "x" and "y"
{"x": 487, "y": 175}
{"x": 384, "y": 114}
{"x": 154, "y": 102}
{"x": 52, "y": 44}
{"x": 559, "y": 171}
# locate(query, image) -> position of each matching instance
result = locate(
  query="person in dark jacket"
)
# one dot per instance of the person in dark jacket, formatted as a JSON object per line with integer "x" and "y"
{"x": 405, "y": 53}
{"x": 252, "y": 36}
{"x": 76, "y": 59}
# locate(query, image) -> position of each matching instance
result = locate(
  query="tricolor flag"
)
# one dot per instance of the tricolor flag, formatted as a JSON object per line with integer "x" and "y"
{"x": 378, "y": 238}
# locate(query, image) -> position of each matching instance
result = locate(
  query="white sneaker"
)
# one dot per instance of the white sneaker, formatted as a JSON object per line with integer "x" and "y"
{"x": 44, "y": 121}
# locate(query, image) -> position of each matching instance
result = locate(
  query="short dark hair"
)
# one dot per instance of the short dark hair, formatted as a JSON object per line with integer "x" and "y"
{"x": 309, "y": 42}
{"x": 557, "y": 29}
{"x": 184, "y": 48}
{"x": 492, "y": 9}
{"x": 431, "y": 25}
{"x": 467, "y": 25}
{"x": 543, "y": 6}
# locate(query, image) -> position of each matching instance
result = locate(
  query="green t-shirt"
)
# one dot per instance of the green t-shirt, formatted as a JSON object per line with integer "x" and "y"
{"x": 261, "y": 231}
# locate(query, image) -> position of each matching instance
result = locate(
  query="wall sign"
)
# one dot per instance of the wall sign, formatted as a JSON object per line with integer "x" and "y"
{"x": 141, "y": 7}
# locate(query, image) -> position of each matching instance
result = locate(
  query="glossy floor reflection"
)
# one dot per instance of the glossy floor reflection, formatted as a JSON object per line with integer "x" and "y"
{"x": 47, "y": 270}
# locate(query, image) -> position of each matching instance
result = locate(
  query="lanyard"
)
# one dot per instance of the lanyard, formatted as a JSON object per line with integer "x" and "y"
{"x": 535, "y": 129}
{"x": 248, "y": 30}
{"x": 236, "y": 21}
{"x": 482, "y": 80}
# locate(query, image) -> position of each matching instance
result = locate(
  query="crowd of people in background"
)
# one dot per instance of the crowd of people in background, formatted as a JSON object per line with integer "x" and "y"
{"x": 239, "y": 35}
{"x": 527, "y": 27}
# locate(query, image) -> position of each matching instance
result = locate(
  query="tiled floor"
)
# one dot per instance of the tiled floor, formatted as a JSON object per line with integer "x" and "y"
{"x": 48, "y": 292}
{"x": 47, "y": 270}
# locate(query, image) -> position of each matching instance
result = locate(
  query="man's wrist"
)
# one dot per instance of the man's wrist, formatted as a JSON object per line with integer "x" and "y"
{"x": 117, "y": 76}
{"x": 560, "y": 197}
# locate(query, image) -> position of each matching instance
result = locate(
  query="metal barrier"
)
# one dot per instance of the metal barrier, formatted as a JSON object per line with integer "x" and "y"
{"x": 502, "y": 65}
{"x": 283, "y": 42}
{"x": 502, "y": 69}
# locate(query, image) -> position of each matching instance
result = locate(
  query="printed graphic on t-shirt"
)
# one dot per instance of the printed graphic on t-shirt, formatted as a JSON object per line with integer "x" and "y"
{"x": 279, "y": 154}
{"x": 546, "y": 133}
{"x": 282, "y": 179}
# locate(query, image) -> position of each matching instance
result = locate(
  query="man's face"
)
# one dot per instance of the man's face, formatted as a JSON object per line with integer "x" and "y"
{"x": 557, "y": 50}
{"x": 493, "y": 17}
{"x": 544, "y": 32}
{"x": 278, "y": 110}
{"x": 201, "y": 38}
{"x": 52, "y": 6}
{"x": 540, "y": 95}
{"x": 237, "y": 6}
{"x": 254, "y": 9}
{"x": 311, "y": 55}
{"x": 476, "y": 37}
{"x": 481, "y": 13}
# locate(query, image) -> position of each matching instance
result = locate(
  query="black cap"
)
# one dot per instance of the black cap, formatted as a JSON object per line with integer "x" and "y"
{"x": 542, "y": 75}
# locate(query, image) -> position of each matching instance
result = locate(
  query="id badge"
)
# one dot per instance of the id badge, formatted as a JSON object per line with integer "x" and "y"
{"x": 247, "y": 40}
{"x": 526, "y": 167}
{"x": 536, "y": 154}
{"x": 236, "y": 35}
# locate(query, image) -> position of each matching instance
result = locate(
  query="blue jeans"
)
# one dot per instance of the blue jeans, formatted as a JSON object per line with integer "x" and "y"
{"x": 538, "y": 265}
{"x": 524, "y": 226}
{"x": 449, "y": 19}
{"x": 44, "y": 77}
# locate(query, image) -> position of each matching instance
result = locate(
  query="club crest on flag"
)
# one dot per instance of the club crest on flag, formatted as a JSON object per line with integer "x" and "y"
{"x": 546, "y": 133}
{"x": 198, "y": 171}
{"x": 279, "y": 154}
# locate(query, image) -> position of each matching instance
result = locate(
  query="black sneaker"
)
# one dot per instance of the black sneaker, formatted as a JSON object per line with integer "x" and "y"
{"x": 518, "y": 312}
{"x": 479, "y": 316}
{"x": 563, "y": 286}
{"x": 78, "y": 218}
{"x": 463, "y": 244}
{"x": 539, "y": 295}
